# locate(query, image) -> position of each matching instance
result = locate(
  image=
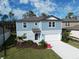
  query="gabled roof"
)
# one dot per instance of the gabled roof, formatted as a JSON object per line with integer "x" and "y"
{"x": 37, "y": 19}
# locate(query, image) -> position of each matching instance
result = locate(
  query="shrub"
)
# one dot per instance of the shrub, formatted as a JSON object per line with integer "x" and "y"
{"x": 24, "y": 36}
{"x": 65, "y": 35}
{"x": 10, "y": 42}
{"x": 42, "y": 44}
{"x": 20, "y": 38}
{"x": 30, "y": 42}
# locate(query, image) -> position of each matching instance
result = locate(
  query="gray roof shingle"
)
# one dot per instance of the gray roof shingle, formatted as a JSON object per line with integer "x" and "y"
{"x": 34, "y": 18}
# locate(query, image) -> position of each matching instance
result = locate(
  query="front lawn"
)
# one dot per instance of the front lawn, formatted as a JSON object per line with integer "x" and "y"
{"x": 74, "y": 43}
{"x": 30, "y": 53}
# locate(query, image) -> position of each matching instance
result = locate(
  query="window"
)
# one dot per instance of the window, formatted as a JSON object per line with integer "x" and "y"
{"x": 24, "y": 25}
{"x": 35, "y": 23}
{"x": 51, "y": 24}
{"x": 67, "y": 24}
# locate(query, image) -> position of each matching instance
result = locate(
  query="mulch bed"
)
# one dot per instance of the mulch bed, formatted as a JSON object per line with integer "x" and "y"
{"x": 26, "y": 45}
{"x": 33, "y": 45}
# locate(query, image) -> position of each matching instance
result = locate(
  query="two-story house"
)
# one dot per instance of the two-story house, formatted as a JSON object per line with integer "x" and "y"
{"x": 39, "y": 28}
{"x": 70, "y": 24}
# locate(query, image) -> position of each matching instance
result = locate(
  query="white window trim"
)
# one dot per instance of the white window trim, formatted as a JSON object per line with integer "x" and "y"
{"x": 67, "y": 24}
{"x": 52, "y": 24}
{"x": 35, "y": 24}
{"x": 23, "y": 25}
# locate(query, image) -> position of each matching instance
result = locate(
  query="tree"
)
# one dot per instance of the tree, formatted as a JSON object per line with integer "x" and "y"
{"x": 28, "y": 14}
{"x": 0, "y": 13}
{"x": 31, "y": 13}
{"x": 44, "y": 14}
{"x": 70, "y": 15}
{"x": 25, "y": 15}
{"x": 4, "y": 17}
{"x": 11, "y": 15}
{"x": 65, "y": 35}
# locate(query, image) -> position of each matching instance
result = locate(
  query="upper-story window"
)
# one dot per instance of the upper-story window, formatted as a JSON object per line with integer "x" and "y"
{"x": 35, "y": 23}
{"x": 24, "y": 25}
{"x": 51, "y": 24}
{"x": 67, "y": 24}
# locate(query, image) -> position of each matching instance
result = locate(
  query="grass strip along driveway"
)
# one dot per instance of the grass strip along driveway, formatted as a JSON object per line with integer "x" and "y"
{"x": 74, "y": 43}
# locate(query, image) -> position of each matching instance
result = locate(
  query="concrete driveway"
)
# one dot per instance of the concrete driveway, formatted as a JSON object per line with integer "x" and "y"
{"x": 64, "y": 50}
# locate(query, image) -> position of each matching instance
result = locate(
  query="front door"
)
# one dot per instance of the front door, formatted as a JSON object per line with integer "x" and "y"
{"x": 36, "y": 36}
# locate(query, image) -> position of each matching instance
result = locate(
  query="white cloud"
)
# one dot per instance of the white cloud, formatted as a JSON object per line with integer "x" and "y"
{"x": 41, "y": 6}
{"x": 18, "y": 13}
{"x": 24, "y": 1}
{"x": 68, "y": 8}
{"x": 44, "y": 6}
{"x": 5, "y": 9}
{"x": 74, "y": 1}
{"x": 4, "y": 6}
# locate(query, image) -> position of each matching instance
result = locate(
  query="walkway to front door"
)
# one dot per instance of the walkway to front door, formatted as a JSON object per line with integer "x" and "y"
{"x": 64, "y": 50}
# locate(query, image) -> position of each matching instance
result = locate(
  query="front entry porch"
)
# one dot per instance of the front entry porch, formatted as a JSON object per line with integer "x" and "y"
{"x": 37, "y": 34}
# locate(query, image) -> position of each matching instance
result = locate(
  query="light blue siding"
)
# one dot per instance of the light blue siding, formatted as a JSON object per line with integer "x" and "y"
{"x": 43, "y": 26}
{"x": 30, "y": 26}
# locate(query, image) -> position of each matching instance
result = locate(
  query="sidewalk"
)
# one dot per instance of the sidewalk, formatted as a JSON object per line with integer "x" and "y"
{"x": 64, "y": 50}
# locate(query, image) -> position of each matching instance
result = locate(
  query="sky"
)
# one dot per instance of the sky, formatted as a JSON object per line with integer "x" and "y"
{"x": 58, "y": 8}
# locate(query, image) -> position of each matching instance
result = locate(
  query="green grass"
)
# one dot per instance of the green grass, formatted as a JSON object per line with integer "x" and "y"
{"x": 74, "y": 43}
{"x": 30, "y": 53}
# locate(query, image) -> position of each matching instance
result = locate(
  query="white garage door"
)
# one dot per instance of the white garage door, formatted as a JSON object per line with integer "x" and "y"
{"x": 52, "y": 37}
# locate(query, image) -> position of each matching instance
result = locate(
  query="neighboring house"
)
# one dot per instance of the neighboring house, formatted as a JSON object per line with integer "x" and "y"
{"x": 73, "y": 25}
{"x": 39, "y": 28}
{"x": 69, "y": 23}
{"x": 7, "y": 34}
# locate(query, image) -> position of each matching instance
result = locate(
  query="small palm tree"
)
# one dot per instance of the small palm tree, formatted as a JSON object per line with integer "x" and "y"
{"x": 11, "y": 16}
